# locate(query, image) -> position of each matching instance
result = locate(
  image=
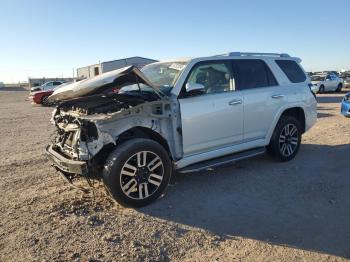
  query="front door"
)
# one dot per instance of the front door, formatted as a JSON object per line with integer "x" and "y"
{"x": 213, "y": 119}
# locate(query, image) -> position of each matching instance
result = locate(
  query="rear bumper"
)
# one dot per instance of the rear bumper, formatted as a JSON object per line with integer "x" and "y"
{"x": 66, "y": 164}
{"x": 310, "y": 113}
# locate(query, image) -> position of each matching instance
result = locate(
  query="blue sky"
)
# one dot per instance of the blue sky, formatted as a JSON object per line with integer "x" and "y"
{"x": 50, "y": 38}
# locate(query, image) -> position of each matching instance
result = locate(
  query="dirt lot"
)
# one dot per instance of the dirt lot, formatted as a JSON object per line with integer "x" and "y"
{"x": 254, "y": 210}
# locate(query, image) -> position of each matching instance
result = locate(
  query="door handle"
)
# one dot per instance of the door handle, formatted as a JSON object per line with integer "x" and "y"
{"x": 277, "y": 96}
{"x": 235, "y": 102}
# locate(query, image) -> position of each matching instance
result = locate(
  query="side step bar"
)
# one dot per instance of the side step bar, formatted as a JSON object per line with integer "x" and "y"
{"x": 222, "y": 160}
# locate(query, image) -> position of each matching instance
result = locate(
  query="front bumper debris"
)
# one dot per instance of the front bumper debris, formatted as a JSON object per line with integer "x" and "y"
{"x": 65, "y": 164}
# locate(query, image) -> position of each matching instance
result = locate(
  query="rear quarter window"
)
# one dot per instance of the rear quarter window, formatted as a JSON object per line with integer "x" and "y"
{"x": 252, "y": 73}
{"x": 292, "y": 70}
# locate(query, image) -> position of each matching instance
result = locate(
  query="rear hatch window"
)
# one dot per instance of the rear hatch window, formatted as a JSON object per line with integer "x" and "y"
{"x": 292, "y": 70}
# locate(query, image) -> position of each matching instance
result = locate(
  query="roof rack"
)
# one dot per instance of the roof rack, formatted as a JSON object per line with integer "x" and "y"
{"x": 256, "y": 54}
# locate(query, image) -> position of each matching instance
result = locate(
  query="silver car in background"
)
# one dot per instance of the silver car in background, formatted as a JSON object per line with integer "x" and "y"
{"x": 326, "y": 83}
{"x": 46, "y": 86}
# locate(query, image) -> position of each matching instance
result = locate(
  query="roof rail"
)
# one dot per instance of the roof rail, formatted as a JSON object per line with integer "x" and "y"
{"x": 257, "y": 54}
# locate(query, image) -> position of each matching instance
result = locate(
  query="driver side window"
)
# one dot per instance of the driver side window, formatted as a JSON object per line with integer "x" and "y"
{"x": 214, "y": 76}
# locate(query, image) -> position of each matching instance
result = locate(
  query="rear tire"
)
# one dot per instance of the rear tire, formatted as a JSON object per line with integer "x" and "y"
{"x": 286, "y": 139}
{"x": 137, "y": 172}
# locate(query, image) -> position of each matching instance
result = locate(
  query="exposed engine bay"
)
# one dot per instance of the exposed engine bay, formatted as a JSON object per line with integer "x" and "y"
{"x": 76, "y": 120}
{"x": 94, "y": 116}
{"x": 107, "y": 103}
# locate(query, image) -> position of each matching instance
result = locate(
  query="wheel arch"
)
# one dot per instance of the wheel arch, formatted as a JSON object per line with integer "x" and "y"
{"x": 131, "y": 133}
{"x": 296, "y": 111}
{"x": 144, "y": 132}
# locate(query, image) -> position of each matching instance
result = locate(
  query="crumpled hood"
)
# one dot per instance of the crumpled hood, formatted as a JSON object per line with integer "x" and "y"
{"x": 121, "y": 77}
{"x": 315, "y": 82}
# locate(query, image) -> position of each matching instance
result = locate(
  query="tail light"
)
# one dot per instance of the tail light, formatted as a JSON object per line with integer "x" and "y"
{"x": 310, "y": 87}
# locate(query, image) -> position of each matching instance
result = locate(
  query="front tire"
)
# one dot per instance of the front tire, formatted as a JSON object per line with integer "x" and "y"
{"x": 137, "y": 172}
{"x": 286, "y": 139}
{"x": 321, "y": 90}
{"x": 45, "y": 101}
{"x": 340, "y": 86}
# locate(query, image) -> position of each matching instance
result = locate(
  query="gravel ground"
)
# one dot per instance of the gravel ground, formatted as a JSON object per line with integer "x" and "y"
{"x": 255, "y": 210}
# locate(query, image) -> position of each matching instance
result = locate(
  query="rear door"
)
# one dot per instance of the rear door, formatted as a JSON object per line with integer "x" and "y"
{"x": 335, "y": 82}
{"x": 213, "y": 119}
{"x": 328, "y": 83}
{"x": 262, "y": 96}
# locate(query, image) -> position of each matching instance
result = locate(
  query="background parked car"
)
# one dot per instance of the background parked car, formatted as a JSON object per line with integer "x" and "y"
{"x": 47, "y": 86}
{"x": 41, "y": 97}
{"x": 346, "y": 82}
{"x": 345, "y": 105}
{"x": 326, "y": 83}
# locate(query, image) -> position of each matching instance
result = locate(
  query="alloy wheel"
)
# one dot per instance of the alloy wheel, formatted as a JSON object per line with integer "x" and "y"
{"x": 141, "y": 175}
{"x": 288, "y": 140}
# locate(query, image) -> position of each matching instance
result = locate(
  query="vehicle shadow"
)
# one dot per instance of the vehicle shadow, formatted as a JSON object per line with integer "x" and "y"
{"x": 322, "y": 115}
{"x": 303, "y": 203}
{"x": 13, "y": 89}
{"x": 329, "y": 99}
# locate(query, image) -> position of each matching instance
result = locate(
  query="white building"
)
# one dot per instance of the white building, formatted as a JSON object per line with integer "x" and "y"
{"x": 96, "y": 69}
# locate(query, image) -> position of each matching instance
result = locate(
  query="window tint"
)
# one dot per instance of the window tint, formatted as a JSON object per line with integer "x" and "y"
{"x": 328, "y": 77}
{"x": 292, "y": 70}
{"x": 214, "y": 76}
{"x": 57, "y": 83}
{"x": 253, "y": 73}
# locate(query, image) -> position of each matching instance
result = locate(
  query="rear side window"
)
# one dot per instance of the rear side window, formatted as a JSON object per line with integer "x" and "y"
{"x": 292, "y": 70}
{"x": 253, "y": 73}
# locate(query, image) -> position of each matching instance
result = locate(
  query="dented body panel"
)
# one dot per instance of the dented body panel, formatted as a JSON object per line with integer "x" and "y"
{"x": 82, "y": 136}
{"x": 120, "y": 77}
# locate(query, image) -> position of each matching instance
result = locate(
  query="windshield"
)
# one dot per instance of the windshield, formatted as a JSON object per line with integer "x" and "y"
{"x": 317, "y": 78}
{"x": 162, "y": 75}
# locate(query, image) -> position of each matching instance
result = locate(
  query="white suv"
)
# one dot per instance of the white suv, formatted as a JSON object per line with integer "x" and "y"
{"x": 133, "y": 128}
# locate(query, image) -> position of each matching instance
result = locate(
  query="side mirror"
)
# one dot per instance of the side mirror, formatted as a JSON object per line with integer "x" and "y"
{"x": 194, "y": 89}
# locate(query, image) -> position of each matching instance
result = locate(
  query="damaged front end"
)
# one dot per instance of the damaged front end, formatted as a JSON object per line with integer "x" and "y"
{"x": 89, "y": 125}
{"x": 75, "y": 143}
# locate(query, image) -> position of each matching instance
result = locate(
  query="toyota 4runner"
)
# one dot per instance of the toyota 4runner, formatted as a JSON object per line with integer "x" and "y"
{"x": 132, "y": 128}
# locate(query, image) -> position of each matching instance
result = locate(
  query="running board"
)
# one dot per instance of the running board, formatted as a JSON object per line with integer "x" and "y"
{"x": 222, "y": 160}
